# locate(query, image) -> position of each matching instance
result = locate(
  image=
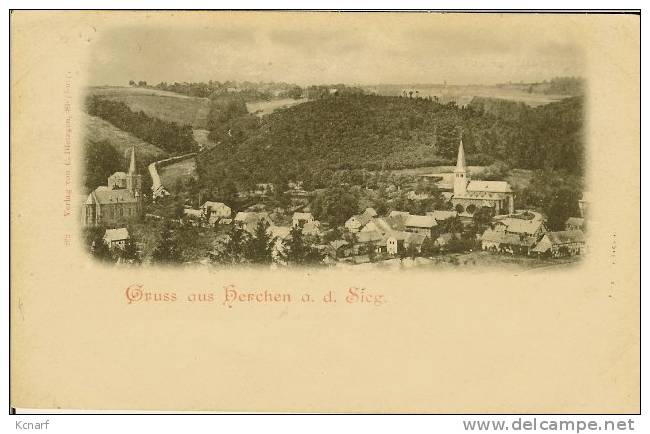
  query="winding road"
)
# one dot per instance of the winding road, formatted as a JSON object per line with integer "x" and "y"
{"x": 157, "y": 188}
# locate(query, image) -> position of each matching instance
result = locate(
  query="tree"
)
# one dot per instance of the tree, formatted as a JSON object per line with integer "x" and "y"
{"x": 482, "y": 217}
{"x": 101, "y": 160}
{"x": 451, "y": 225}
{"x": 130, "y": 252}
{"x": 411, "y": 251}
{"x": 167, "y": 251}
{"x": 562, "y": 206}
{"x": 295, "y": 92}
{"x": 429, "y": 247}
{"x": 295, "y": 246}
{"x": 101, "y": 251}
{"x": 260, "y": 246}
{"x": 234, "y": 250}
{"x": 556, "y": 194}
{"x": 131, "y": 83}
{"x": 380, "y": 202}
{"x": 336, "y": 205}
{"x": 299, "y": 249}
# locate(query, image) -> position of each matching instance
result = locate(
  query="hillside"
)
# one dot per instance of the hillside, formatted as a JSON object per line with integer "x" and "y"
{"x": 167, "y": 106}
{"x": 376, "y": 132}
{"x": 99, "y": 130}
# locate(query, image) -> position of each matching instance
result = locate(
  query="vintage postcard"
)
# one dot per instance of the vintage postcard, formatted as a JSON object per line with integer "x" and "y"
{"x": 325, "y": 212}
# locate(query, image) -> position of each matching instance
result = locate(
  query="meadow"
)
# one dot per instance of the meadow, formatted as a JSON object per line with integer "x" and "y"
{"x": 261, "y": 108}
{"x": 98, "y": 130}
{"x": 168, "y": 106}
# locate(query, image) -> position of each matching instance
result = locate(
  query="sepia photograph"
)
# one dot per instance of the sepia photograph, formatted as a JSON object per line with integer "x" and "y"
{"x": 318, "y": 143}
{"x": 326, "y": 212}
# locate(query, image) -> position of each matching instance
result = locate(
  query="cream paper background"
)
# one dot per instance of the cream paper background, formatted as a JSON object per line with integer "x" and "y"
{"x": 562, "y": 340}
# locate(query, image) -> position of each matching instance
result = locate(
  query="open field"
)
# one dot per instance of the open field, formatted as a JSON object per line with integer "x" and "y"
{"x": 171, "y": 174}
{"x": 261, "y": 108}
{"x": 464, "y": 94}
{"x": 167, "y": 106}
{"x": 201, "y": 137}
{"x": 174, "y": 107}
{"x": 98, "y": 129}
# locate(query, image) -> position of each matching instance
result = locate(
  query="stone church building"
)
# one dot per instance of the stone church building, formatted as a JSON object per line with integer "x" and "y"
{"x": 120, "y": 200}
{"x": 475, "y": 194}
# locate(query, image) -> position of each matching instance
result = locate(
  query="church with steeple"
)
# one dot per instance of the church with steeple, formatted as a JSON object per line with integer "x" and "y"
{"x": 119, "y": 200}
{"x": 470, "y": 195}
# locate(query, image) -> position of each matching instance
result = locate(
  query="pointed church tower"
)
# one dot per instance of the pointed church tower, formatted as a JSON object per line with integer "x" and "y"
{"x": 132, "y": 167}
{"x": 461, "y": 177}
{"x": 133, "y": 179}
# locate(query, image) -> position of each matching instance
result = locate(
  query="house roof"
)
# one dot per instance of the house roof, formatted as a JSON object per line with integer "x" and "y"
{"x": 369, "y": 237}
{"x": 103, "y": 195}
{"x": 522, "y": 214}
{"x": 396, "y": 222}
{"x": 399, "y": 214}
{"x": 420, "y": 221}
{"x": 491, "y": 235}
{"x": 445, "y": 238}
{"x": 303, "y": 216}
{"x": 248, "y": 216}
{"x": 414, "y": 238}
{"x": 211, "y": 205}
{"x": 370, "y": 211}
{"x": 383, "y": 225}
{"x": 250, "y": 220}
{"x": 119, "y": 234}
{"x": 281, "y": 232}
{"x": 520, "y": 226}
{"x": 338, "y": 243}
{"x": 440, "y": 215}
{"x": 192, "y": 212}
{"x": 489, "y": 187}
{"x": 565, "y": 237}
{"x": 398, "y": 235}
{"x": 363, "y": 219}
{"x": 311, "y": 228}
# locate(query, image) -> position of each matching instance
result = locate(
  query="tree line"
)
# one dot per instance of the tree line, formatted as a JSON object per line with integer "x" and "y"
{"x": 169, "y": 136}
{"x": 250, "y": 91}
{"x": 386, "y": 133}
{"x": 238, "y": 247}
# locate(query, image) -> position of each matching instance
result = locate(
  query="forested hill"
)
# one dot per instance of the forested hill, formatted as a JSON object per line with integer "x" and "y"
{"x": 379, "y": 132}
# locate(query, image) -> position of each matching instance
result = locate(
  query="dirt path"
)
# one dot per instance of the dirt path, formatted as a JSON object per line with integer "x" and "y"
{"x": 157, "y": 188}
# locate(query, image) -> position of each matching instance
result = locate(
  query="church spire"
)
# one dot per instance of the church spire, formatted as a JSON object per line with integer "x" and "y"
{"x": 460, "y": 163}
{"x": 461, "y": 177}
{"x": 132, "y": 166}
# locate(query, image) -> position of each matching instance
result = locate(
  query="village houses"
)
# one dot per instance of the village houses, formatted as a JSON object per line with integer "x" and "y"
{"x": 561, "y": 243}
{"x": 356, "y": 222}
{"x": 116, "y": 238}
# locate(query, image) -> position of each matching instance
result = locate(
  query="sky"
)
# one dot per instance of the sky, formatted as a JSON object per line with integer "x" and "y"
{"x": 327, "y": 48}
